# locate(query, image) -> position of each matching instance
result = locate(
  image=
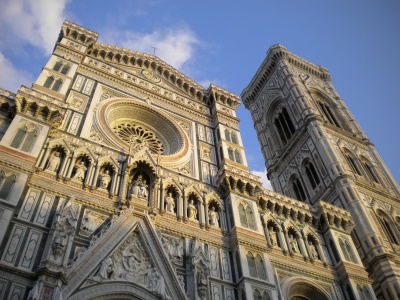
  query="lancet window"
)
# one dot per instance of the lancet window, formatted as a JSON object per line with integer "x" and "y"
{"x": 246, "y": 217}
{"x": 284, "y": 126}
{"x": 298, "y": 189}
{"x": 329, "y": 116}
{"x": 52, "y": 83}
{"x": 256, "y": 266}
{"x": 6, "y": 184}
{"x": 61, "y": 67}
{"x": 312, "y": 175}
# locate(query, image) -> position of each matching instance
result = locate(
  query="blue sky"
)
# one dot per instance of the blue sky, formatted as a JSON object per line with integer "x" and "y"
{"x": 224, "y": 42}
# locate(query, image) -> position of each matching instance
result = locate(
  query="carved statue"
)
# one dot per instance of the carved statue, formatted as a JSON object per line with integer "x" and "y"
{"x": 272, "y": 236}
{"x": 156, "y": 283}
{"x": 139, "y": 188}
{"x": 105, "y": 179}
{"x": 106, "y": 269}
{"x": 313, "y": 251}
{"x": 80, "y": 171}
{"x": 192, "y": 210}
{"x": 169, "y": 203}
{"x": 202, "y": 286}
{"x": 293, "y": 244}
{"x": 176, "y": 248}
{"x": 213, "y": 217}
{"x": 54, "y": 162}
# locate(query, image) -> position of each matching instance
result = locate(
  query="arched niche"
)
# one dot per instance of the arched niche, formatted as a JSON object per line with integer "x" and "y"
{"x": 297, "y": 288}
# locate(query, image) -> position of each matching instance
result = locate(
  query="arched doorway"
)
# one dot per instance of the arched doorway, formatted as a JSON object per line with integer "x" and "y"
{"x": 114, "y": 290}
{"x": 296, "y": 288}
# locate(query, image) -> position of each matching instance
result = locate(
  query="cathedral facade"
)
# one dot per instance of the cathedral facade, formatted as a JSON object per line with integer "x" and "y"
{"x": 122, "y": 178}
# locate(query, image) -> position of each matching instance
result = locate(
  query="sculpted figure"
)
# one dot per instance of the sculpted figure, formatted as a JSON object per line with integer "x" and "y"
{"x": 105, "y": 179}
{"x": 176, "y": 248}
{"x": 54, "y": 162}
{"x": 80, "y": 171}
{"x": 106, "y": 268}
{"x": 156, "y": 283}
{"x": 89, "y": 221}
{"x": 293, "y": 244}
{"x": 169, "y": 203}
{"x": 272, "y": 236}
{"x": 192, "y": 210}
{"x": 313, "y": 251}
{"x": 213, "y": 217}
{"x": 139, "y": 188}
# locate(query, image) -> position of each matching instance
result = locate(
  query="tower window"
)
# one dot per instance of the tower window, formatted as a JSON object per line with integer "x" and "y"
{"x": 352, "y": 164}
{"x": 312, "y": 175}
{"x": 298, "y": 190}
{"x": 6, "y": 185}
{"x": 227, "y": 135}
{"x": 61, "y": 67}
{"x": 238, "y": 157}
{"x": 54, "y": 85}
{"x": 234, "y": 138}
{"x": 230, "y": 153}
{"x": 369, "y": 172}
{"x": 326, "y": 110}
{"x": 284, "y": 126}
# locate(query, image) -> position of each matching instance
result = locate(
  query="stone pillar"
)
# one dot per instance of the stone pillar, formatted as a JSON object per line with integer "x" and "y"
{"x": 62, "y": 167}
{"x": 207, "y": 222}
{"x": 113, "y": 182}
{"x": 184, "y": 201}
{"x": 200, "y": 208}
{"x": 96, "y": 174}
{"x": 88, "y": 174}
{"x": 222, "y": 218}
{"x": 71, "y": 166}
{"x": 162, "y": 201}
{"x": 46, "y": 156}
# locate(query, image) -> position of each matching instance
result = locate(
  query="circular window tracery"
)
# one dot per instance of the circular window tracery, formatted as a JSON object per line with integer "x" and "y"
{"x": 138, "y": 137}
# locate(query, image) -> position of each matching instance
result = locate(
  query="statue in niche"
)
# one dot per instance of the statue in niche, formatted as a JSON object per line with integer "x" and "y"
{"x": 213, "y": 217}
{"x": 169, "y": 203}
{"x": 272, "y": 236}
{"x": 313, "y": 251}
{"x": 293, "y": 244}
{"x": 192, "y": 210}
{"x": 105, "y": 179}
{"x": 139, "y": 188}
{"x": 54, "y": 162}
{"x": 80, "y": 171}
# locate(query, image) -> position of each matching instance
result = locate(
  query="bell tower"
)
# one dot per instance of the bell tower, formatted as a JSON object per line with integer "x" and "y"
{"x": 314, "y": 149}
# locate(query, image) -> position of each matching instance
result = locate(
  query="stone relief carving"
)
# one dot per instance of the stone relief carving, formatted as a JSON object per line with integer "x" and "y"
{"x": 90, "y": 222}
{"x": 200, "y": 265}
{"x": 169, "y": 203}
{"x": 213, "y": 217}
{"x": 80, "y": 171}
{"x": 130, "y": 262}
{"x": 105, "y": 179}
{"x": 293, "y": 244}
{"x": 65, "y": 226}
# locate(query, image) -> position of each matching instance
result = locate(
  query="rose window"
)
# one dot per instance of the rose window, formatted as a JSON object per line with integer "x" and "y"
{"x": 138, "y": 137}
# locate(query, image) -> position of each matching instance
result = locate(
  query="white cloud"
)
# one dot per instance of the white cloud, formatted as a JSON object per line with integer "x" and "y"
{"x": 31, "y": 22}
{"x": 176, "y": 46}
{"x": 12, "y": 78}
{"x": 263, "y": 174}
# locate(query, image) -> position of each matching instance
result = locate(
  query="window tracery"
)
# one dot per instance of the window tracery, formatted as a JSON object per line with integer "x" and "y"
{"x": 138, "y": 137}
{"x": 6, "y": 184}
{"x": 284, "y": 126}
{"x": 256, "y": 266}
{"x": 24, "y": 138}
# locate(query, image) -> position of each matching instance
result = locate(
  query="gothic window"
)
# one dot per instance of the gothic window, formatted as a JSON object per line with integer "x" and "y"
{"x": 352, "y": 163}
{"x": 49, "y": 81}
{"x": 234, "y": 138}
{"x": 347, "y": 251}
{"x": 260, "y": 267}
{"x": 238, "y": 157}
{"x": 242, "y": 216}
{"x": 266, "y": 296}
{"x": 369, "y": 171}
{"x": 284, "y": 126}
{"x": 252, "y": 265}
{"x": 256, "y": 295}
{"x": 250, "y": 218}
{"x": 227, "y": 135}
{"x": 329, "y": 116}
{"x": 6, "y": 184}
{"x": 298, "y": 189}
{"x": 53, "y": 84}
{"x": 388, "y": 227}
{"x": 24, "y": 139}
{"x": 61, "y": 67}
{"x": 230, "y": 154}
{"x": 312, "y": 175}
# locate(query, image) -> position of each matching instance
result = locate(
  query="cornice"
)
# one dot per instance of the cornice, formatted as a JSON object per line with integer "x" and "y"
{"x": 263, "y": 74}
